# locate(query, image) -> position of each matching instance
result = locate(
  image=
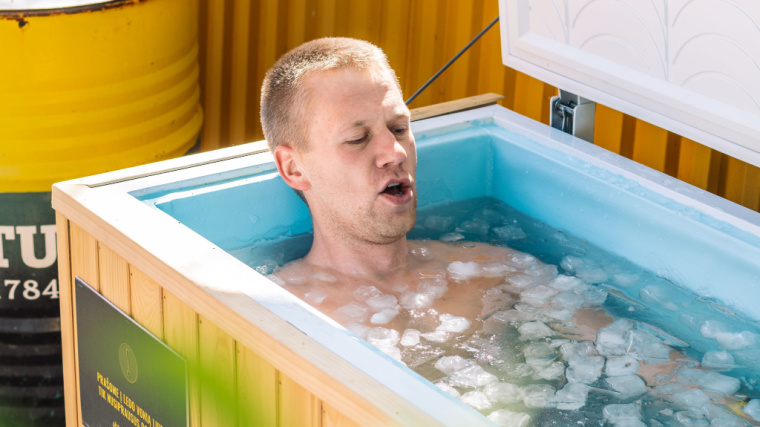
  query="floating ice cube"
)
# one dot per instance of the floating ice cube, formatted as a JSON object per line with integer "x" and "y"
{"x": 691, "y": 398}
{"x": 410, "y": 337}
{"x": 522, "y": 259}
{"x": 669, "y": 388}
{"x": 727, "y": 421}
{"x": 423, "y": 253}
{"x": 358, "y": 329}
{"x": 475, "y": 399}
{"x": 727, "y": 340}
{"x": 646, "y": 346}
{"x": 507, "y": 418}
{"x": 472, "y": 376}
{"x": 437, "y": 336}
{"x": 538, "y": 395}
{"x": 462, "y": 271}
{"x": 591, "y": 275}
{"x": 364, "y": 293}
{"x": 503, "y": 393}
{"x": 509, "y": 232}
{"x": 572, "y": 348}
{"x": 451, "y": 323}
{"x": 538, "y": 296}
{"x": 448, "y": 389}
{"x": 691, "y": 419}
{"x": 636, "y": 423}
{"x": 564, "y": 283}
{"x": 548, "y": 371}
{"x": 433, "y": 288}
{"x": 324, "y": 277}
{"x": 627, "y": 385}
{"x": 592, "y": 295}
{"x": 382, "y": 302}
{"x": 542, "y": 272}
{"x": 451, "y": 237}
{"x": 571, "y": 397}
{"x": 569, "y": 263}
{"x": 438, "y": 223}
{"x": 719, "y": 360}
{"x": 616, "y": 413}
{"x": 496, "y": 269}
{"x": 656, "y": 295}
{"x": 415, "y": 301}
{"x": 276, "y": 279}
{"x": 521, "y": 280}
{"x": 611, "y": 342}
{"x": 753, "y": 409}
{"x": 315, "y": 296}
{"x": 693, "y": 320}
{"x": 450, "y": 364}
{"x": 384, "y": 316}
{"x": 539, "y": 351}
{"x": 385, "y": 340}
{"x": 584, "y": 369}
{"x": 512, "y": 316}
{"x": 622, "y": 365}
{"x": 625, "y": 279}
{"x": 352, "y": 312}
{"x": 534, "y": 330}
{"x": 689, "y": 376}
{"x": 718, "y": 383}
{"x": 474, "y": 226}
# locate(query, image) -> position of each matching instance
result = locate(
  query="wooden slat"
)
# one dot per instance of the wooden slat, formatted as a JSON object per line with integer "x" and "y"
{"x": 529, "y": 94}
{"x": 84, "y": 257}
{"x": 650, "y": 146}
{"x": 147, "y": 302}
{"x": 217, "y": 375}
{"x": 455, "y": 106}
{"x": 181, "y": 334}
{"x": 695, "y": 163}
{"x": 608, "y": 128}
{"x": 257, "y": 390}
{"x": 331, "y": 417}
{"x": 70, "y": 377}
{"x": 114, "y": 278}
{"x": 298, "y": 407}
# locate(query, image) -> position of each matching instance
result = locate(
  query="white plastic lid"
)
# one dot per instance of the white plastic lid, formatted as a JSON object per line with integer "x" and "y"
{"x": 691, "y": 67}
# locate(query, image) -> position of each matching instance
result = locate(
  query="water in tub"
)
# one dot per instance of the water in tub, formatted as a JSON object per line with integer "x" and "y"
{"x": 531, "y": 326}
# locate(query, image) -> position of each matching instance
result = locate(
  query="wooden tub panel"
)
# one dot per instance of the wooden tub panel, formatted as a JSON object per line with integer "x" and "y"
{"x": 257, "y": 389}
{"x": 114, "y": 278}
{"x": 68, "y": 356}
{"x": 217, "y": 375}
{"x": 147, "y": 302}
{"x": 297, "y": 407}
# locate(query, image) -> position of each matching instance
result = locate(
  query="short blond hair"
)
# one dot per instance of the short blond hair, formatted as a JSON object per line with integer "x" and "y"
{"x": 283, "y": 98}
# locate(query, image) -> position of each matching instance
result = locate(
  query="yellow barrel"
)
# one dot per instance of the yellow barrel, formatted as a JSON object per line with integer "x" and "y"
{"x": 95, "y": 87}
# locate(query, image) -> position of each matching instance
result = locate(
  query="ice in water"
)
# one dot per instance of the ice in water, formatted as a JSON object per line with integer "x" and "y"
{"x": 719, "y": 360}
{"x": 450, "y": 323}
{"x": 507, "y": 418}
{"x": 727, "y": 340}
{"x": 621, "y": 365}
{"x": 584, "y": 369}
{"x": 385, "y": 340}
{"x": 627, "y": 385}
{"x": 617, "y": 413}
{"x": 410, "y": 337}
{"x": 461, "y": 271}
{"x": 753, "y": 409}
{"x": 476, "y": 399}
{"x": 501, "y": 392}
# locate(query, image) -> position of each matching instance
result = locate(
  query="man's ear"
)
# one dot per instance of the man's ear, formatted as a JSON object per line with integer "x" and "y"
{"x": 289, "y": 165}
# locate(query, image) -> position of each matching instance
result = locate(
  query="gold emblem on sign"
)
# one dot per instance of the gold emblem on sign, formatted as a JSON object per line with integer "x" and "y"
{"x": 128, "y": 362}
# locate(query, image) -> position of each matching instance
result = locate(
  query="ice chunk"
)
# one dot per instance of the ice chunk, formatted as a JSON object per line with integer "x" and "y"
{"x": 451, "y": 323}
{"x": 384, "y": 316}
{"x": 509, "y": 232}
{"x": 437, "y": 336}
{"x": 611, "y": 341}
{"x": 474, "y": 226}
{"x": 572, "y": 348}
{"x": 534, "y": 330}
{"x": 538, "y": 395}
{"x": 503, "y": 393}
{"x": 691, "y": 398}
{"x": 727, "y": 340}
{"x": 539, "y": 351}
{"x": 450, "y": 364}
{"x": 584, "y": 369}
{"x": 382, "y": 302}
{"x": 564, "y": 283}
{"x": 276, "y": 279}
{"x": 472, "y": 376}
{"x": 410, "y": 337}
{"x": 521, "y": 259}
{"x": 496, "y": 269}
{"x": 507, "y": 418}
{"x": 627, "y": 385}
{"x": 753, "y": 409}
{"x": 656, "y": 295}
{"x": 636, "y": 423}
{"x": 718, "y": 383}
{"x": 415, "y": 301}
{"x": 315, "y": 296}
{"x": 547, "y": 371}
{"x": 521, "y": 281}
{"x": 324, "y": 277}
{"x": 727, "y": 421}
{"x": 690, "y": 419}
{"x": 538, "y": 296}
{"x": 448, "y": 389}
{"x": 438, "y": 223}
{"x": 512, "y": 316}
{"x": 352, "y": 312}
{"x": 572, "y": 396}
{"x": 616, "y": 413}
{"x": 542, "y": 272}
{"x": 669, "y": 388}
{"x": 358, "y": 329}
{"x": 625, "y": 279}
{"x": 364, "y": 293}
{"x": 646, "y": 346}
{"x": 385, "y": 340}
{"x": 720, "y": 360}
{"x": 461, "y": 271}
{"x": 451, "y": 237}
{"x": 475, "y": 399}
{"x": 689, "y": 376}
{"x": 423, "y": 253}
{"x": 622, "y": 365}
{"x": 433, "y": 288}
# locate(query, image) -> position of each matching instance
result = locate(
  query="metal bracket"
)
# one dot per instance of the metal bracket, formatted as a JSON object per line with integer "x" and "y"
{"x": 574, "y": 115}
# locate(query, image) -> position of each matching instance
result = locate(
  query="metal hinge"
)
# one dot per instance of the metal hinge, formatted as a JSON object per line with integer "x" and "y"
{"x": 574, "y": 115}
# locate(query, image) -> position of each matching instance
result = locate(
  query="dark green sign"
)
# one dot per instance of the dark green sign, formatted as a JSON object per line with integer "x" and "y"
{"x": 127, "y": 376}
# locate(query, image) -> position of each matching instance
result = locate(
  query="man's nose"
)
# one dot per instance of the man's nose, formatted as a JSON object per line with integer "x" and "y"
{"x": 391, "y": 151}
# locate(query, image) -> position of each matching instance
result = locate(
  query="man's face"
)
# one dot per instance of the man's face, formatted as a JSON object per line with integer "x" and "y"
{"x": 361, "y": 157}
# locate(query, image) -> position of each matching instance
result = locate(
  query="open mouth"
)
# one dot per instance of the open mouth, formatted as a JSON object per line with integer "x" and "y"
{"x": 395, "y": 189}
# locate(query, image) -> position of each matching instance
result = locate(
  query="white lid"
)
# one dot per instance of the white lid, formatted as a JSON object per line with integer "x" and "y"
{"x": 691, "y": 67}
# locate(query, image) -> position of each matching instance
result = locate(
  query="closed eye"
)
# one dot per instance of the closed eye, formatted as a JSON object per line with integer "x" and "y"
{"x": 358, "y": 140}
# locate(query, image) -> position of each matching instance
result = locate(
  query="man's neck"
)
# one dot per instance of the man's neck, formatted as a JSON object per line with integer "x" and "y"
{"x": 360, "y": 257}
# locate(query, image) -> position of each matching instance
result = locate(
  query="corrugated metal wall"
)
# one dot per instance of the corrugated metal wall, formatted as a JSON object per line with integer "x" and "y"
{"x": 241, "y": 39}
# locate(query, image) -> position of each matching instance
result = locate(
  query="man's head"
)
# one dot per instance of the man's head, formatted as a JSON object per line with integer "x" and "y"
{"x": 341, "y": 136}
